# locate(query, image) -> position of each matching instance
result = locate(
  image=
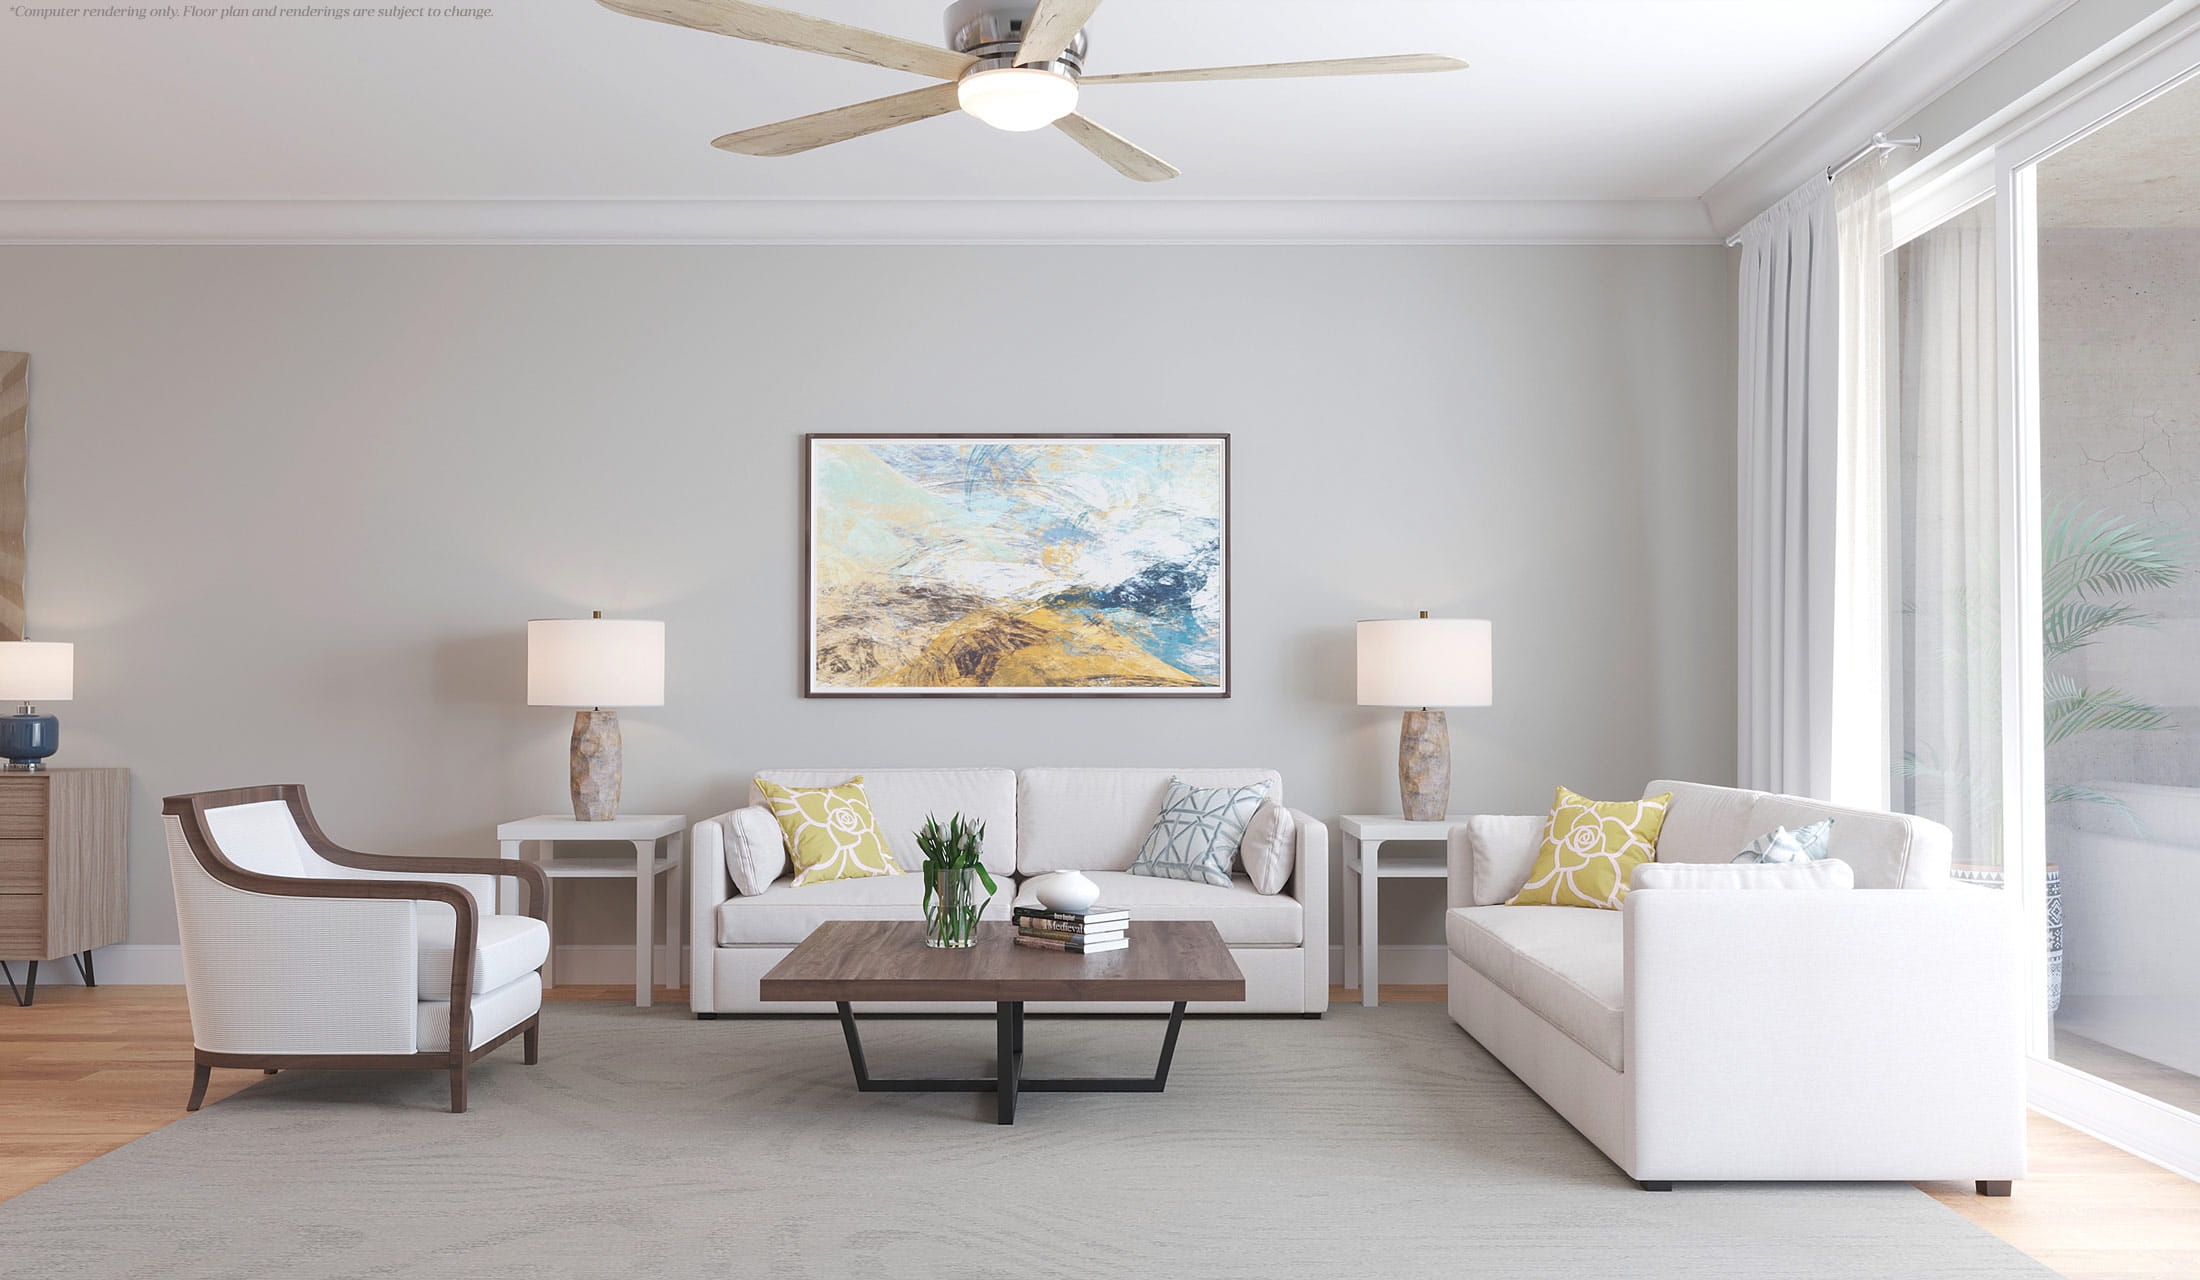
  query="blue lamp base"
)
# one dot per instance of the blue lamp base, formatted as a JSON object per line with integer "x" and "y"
{"x": 26, "y": 740}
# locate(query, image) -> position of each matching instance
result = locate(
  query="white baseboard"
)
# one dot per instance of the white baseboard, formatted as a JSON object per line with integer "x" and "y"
{"x": 157, "y": 964}
{"x": 2117, "y": 1116}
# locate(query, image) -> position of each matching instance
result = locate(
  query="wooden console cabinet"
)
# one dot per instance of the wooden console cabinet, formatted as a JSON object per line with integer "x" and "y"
{"x": 64, "y": 867}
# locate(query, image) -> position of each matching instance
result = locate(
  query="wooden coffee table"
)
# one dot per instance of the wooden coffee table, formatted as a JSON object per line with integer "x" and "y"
{"x": 848, "y": 960}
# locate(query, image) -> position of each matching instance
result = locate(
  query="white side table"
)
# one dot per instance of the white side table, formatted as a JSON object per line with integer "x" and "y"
{"x": 1364, "y": 835}
{"x": 647, "y": 832}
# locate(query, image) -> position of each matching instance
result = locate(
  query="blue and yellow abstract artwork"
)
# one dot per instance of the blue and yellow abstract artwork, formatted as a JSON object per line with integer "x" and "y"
{"x": 1081, "y": 565}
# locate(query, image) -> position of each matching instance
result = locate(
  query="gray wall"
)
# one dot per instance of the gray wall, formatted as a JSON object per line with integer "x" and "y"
{"x": 294, "y": 504}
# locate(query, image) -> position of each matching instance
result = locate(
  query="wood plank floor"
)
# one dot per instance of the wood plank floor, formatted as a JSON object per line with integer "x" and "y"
{"x": 85, "y": 1071}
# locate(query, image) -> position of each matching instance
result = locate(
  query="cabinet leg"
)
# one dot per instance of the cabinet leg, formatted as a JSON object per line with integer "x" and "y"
{"x": 84, "y": 969}
{"x": 13, "y": 990}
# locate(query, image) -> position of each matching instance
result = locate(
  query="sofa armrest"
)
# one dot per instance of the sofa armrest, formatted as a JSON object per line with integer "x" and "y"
{"x": 1458, "y": 868}
{"x": 1310, "y": 885}
{"x": 709, "y": 884}
{"x": 1832, "y": 1033}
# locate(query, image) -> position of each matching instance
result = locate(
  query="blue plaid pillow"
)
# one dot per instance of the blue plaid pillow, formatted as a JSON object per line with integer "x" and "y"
{"x": 1197, "y": 833}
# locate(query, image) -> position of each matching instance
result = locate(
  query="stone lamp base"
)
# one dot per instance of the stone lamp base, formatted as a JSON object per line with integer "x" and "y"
{"x": 1424, "y": 765}
{"x": 596, "y": 765}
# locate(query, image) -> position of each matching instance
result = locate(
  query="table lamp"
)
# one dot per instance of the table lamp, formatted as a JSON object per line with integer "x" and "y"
{"x": 33, "y": 671}
{"x": 1421, "y": 664}
{"x": 595, "y": 664}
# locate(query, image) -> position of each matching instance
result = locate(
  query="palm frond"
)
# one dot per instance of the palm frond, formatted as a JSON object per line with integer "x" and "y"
{"x": 2072, "y": 625}
{"x": 2091, "y": 553}
{"x": 2071, "y": 793}
{"x": 2072, "y": 710}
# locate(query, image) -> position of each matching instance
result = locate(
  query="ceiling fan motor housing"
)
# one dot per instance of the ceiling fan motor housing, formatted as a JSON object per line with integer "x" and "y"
{"x": 991, "y": 32}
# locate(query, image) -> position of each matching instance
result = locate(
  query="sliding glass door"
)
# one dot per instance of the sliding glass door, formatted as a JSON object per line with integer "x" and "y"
{"x": 2116, "y": 222}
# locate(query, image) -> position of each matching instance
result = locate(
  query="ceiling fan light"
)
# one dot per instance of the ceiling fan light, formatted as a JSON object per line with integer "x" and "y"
{"x": 1017, "y": 99}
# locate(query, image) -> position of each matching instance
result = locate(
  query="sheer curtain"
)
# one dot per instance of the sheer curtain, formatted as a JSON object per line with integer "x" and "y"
{"x": 1789, "y": 399}
{"x": 1857, "y": 729}
{"x": 1943, "y": 552}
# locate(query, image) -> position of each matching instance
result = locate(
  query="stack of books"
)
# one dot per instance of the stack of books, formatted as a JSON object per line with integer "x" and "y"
{"x": 1091, "y": 931}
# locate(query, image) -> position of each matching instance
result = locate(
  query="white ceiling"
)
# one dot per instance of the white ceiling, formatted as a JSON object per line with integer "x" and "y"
{"x": 1567, "y": 100}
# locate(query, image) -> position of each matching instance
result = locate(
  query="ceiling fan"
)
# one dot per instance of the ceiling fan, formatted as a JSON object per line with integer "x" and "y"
{"x": 1016, "y": 66}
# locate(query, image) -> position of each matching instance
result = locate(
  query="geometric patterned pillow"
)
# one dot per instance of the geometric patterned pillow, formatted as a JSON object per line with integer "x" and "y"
{"x": 1590, "y": 848}
{"x": 830, "y": 832}
{"x": 1197, "y": 833}
{"x": 1782, "y": 845}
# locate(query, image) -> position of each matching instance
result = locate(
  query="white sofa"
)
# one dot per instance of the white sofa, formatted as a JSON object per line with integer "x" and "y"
{"x": 1037, "y": 821}
{"x": 1743, "y": 1035}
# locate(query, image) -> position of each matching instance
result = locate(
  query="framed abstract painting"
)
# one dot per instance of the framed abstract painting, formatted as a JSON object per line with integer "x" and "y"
{"x": 1018, "y": 566}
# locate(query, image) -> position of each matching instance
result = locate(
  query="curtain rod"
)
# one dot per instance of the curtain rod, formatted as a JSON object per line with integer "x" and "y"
{"x": 1879, "y": 145}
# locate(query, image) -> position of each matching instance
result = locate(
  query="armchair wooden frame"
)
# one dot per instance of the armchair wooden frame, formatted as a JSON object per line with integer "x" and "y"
{"x": 191, "y": 811}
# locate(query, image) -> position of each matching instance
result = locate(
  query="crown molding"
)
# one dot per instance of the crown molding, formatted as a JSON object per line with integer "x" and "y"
{"x": 855, "y": 222}
{"x": 1938, "y": 52}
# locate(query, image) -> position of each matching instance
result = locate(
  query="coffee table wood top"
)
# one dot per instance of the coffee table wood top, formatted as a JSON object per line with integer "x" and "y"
{"x": 887, "y": 960}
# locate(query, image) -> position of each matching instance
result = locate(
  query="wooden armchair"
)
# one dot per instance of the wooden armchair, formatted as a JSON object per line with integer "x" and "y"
{"x": 298, "y": 952}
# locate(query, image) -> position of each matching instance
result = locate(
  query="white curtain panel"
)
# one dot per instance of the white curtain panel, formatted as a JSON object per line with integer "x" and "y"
{"x": 1945, "y": 518}
{"x": 1789, "y": 463}
{"x": 1857, "y": 731}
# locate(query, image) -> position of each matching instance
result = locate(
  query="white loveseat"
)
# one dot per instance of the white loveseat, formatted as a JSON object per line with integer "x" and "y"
{"x": 1873, "y": 1033}
{"x": 1037, "y": 821}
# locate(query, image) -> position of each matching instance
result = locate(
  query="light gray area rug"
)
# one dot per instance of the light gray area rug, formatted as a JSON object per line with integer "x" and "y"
{"x": 1377, "y": 1142}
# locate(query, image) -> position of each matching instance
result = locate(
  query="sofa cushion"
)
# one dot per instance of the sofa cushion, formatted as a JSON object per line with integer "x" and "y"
{"x": 785, "y": 914}
{"x": 1096, "y": 819}
{"x": 504, "y": 948}
{"x": 756, "y": 849}
{"x": 1566, "y": 965}
{"x": 1197, "y": 833}
{"x": 1705, "y": 824}
{"x": 1504, "y": 849}
{"x": 1886, "y": 850}
{"x": 1812, "y": 873}
{"x": 1243, "y": 915}
{"x": 902, "y": 798}
{"x": 1589, "y": 848}
{"x": 1271, "y": 849}
{"x": 831, "y": 834}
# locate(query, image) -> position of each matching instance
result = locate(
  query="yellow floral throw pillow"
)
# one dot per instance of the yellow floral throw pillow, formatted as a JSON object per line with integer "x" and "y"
{"x": 830, "y": 832}
{"x": 1590, "y": 848}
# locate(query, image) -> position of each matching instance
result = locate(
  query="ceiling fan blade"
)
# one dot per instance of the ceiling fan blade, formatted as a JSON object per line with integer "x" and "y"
{"x": 1051, "y": 27}
{"x": 1395, "y": 64}
{"x": 790, "y": 30}
{"x": 792, "y": 137}
{"x": 1122, "y": 156}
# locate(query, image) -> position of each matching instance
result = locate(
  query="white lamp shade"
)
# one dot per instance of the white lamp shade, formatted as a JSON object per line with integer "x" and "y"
{"x": 1425, "y": 662}
{"x": 37, "y": 671}
{"x": 595, "y": 662}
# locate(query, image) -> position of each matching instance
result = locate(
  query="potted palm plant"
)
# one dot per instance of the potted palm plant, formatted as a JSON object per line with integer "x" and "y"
{"x": 953, "y": 874}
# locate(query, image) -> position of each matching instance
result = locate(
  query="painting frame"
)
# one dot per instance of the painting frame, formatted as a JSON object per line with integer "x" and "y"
{"x": 808, "y": 583}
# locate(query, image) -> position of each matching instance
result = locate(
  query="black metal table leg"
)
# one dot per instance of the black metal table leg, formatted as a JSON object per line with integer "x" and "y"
{"x": 1008, "y": 1079}
{"x": 1008, "y": 1018}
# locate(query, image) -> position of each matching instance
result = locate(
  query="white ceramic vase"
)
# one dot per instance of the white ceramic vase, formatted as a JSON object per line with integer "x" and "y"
{"x": 1071, "y": 891}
